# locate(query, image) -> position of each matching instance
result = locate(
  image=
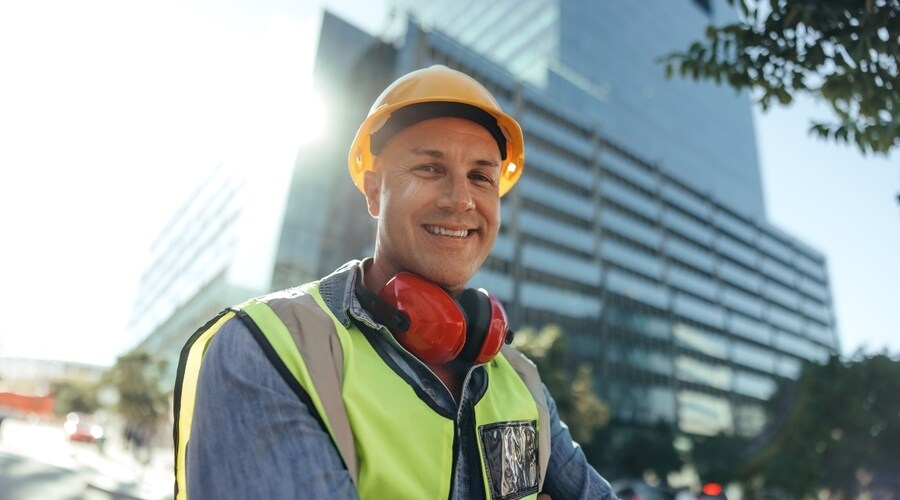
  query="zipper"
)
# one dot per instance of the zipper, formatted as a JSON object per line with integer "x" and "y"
{"x": 455, "y": 459}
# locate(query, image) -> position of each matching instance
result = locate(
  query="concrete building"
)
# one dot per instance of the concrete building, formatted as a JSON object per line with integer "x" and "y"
{"x": 217, "y": 250}
{"x": 638, "y": 226}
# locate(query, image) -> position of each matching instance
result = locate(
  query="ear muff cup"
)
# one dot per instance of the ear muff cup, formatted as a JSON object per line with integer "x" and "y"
{"x": 434, "y": 326}
{"x": 437, "y": 325}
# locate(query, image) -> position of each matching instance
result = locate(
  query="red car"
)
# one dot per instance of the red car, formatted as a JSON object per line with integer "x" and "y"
{"x": 78, "y": 427}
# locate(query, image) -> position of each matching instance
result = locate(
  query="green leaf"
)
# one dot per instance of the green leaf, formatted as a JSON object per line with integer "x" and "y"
{"x": 851, "y": 66}
{"x": 783, "y": 97}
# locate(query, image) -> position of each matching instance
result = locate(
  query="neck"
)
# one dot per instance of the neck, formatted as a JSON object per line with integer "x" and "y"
{"x": 374, "y": 278}
{"x": 453, "y": 375}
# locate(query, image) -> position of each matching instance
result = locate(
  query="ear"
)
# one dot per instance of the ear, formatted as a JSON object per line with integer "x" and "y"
{"x": 372, "y": 188}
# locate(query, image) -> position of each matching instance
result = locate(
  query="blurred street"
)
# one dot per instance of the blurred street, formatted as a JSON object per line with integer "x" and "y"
{"x": 37, "y": 462}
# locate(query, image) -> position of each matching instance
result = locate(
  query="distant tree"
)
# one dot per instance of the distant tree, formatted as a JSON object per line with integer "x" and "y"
{"x": 648, "y": 450}
{"x": 842, "y": 433}
{"x": 715, "y": 457}
{"x": 74, "y": 396}
{"x": 843, "y": 51}
{"x": 576, "y": 401}
{"x": 141, "y": 402}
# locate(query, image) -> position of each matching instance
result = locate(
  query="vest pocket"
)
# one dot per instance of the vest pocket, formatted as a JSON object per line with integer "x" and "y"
{"x": 510, "y": 458}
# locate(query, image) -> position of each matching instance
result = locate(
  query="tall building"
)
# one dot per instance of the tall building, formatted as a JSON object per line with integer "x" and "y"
{"x": 638, "y": 226}
{"x": 600, "y": 60}
{"x": 217, "y": 250}
{"x": 653, "y": 255}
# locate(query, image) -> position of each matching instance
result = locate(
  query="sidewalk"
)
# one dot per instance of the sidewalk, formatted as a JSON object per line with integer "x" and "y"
{"x": 114, "y": 473}
{"x": 124, "y": 476}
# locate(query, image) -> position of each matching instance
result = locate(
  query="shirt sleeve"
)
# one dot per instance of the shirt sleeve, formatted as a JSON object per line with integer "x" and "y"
{"x": 569, "y": 475}
{"x": 251, "y": 437}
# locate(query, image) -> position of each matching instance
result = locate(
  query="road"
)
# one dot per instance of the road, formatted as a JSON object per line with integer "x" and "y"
{"x": 37, "y": 462}
{"x": 24, "y": 478}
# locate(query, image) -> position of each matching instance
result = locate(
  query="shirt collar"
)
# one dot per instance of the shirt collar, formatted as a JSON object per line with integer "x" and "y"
{"x": 338, "y": 292}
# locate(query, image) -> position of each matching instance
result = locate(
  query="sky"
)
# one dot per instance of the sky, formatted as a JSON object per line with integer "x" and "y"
{"x": 110, "y": 112}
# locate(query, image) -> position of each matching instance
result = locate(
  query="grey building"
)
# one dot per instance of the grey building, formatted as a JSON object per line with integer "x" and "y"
{"x": 599, "y": 60}
{"x": 638, "y": 227}
{"x": 640, "y": 234}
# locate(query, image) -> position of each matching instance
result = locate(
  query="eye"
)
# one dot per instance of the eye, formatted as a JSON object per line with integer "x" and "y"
{"x": 481, "y": 177}
{"x": 428, "y": 168}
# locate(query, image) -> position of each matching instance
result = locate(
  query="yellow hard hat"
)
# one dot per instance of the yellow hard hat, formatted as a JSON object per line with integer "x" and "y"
{"x": 430, "y": 93}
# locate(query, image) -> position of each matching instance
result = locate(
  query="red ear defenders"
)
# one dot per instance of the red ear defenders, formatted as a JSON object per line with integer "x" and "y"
{"x": 434, "y": 326}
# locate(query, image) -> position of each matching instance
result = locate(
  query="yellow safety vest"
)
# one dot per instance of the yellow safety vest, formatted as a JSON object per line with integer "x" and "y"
{"x": 393, "y": 443}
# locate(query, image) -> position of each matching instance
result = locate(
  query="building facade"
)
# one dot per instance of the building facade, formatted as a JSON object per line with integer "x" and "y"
{"x": 601, "y": 61}
{"x": 689, "y": 305}
{"x": 217, "y": 250}
{"x": 638, "y": 226}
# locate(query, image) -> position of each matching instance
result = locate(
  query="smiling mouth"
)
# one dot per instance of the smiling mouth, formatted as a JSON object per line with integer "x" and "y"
{"x": 452, "y": 233}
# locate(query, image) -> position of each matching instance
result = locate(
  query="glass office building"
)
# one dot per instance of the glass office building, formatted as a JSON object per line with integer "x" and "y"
{"x": 217, "y": 250}
{"x": 638, "y": 226}
{"x": 689, "y": 305}
{"x": 600, "y": 60}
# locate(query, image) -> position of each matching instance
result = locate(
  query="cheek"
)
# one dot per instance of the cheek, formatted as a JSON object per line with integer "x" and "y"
{"x": 407, "y": 190}
{"x": 492, "y": 213}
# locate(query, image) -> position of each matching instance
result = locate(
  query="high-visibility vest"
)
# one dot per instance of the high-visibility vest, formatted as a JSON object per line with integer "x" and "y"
{"x": 393, "y": 443}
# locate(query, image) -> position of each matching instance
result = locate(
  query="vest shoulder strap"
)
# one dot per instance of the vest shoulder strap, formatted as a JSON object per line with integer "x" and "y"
{"x": 528, "y": 372}
{"x": 317, "y": 353}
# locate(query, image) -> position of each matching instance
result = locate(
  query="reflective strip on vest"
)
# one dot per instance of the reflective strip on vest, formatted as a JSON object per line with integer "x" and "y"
{"x": 507, "y": 431}
{"x": 531, "y": 378}
{"x": 185, "y": 392}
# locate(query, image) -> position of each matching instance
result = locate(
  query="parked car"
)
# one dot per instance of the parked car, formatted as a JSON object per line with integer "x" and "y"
{"x": 636, "y": 489}
{"x": 712, "y": 491}
{"x": 79, "y": 427}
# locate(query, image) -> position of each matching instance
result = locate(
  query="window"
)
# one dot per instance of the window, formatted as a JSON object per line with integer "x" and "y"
{"x": 561, "y": 264}
{"x": 634, "y": 173}
{"x": 698, "y": 310}
{"x": 690, "y": 254}
{"x": 703, "y": 414}
{"x": 700, "y": 340}
{"x": 685, "y": 200}
{"x": 689, "y": 369}
{"x": 691, "y": 281}
{"x": 753, "y": 357}
{"x": 753, "y": 385}
{"x": 559, "y": 300}
{"x": 631, "y": 227}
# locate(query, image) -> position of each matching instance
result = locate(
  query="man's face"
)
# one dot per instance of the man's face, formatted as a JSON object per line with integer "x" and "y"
{"x": 435, "y": 191}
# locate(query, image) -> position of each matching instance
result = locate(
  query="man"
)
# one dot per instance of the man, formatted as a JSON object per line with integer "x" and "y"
{"x": 387, "y": 378}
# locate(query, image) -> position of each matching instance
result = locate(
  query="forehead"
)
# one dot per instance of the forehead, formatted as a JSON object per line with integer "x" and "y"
{"x": 446, "y": 132}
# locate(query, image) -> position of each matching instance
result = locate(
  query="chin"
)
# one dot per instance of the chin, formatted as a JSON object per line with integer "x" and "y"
{"x": 454, "y": 280}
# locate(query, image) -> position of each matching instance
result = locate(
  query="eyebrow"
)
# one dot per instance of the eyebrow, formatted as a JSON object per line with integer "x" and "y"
{"x": 439, "y": 155}
{"x": 434, "y": 153}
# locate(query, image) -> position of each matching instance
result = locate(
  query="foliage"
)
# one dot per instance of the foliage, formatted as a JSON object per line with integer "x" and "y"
{"x": 141, "y": 402}
{"x": 842, "y": 433}
{"x": 576, "y": 401}
{"x": 72, "y": 395}
{"x": 648, "y": 450}
{"x": 617, "y": 449}
{"x": 844, "y": 51}
{"x": 714, "y": 457}
{"x": 627, "y": 450}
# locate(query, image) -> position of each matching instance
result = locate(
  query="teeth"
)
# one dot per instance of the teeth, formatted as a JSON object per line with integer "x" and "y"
{"x": 442, "y": 231}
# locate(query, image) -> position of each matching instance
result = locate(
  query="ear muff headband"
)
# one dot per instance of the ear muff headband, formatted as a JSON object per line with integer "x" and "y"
{"x": 476, "y": 306}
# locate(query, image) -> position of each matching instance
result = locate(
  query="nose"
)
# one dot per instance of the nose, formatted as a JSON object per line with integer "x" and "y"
{"x": 456, "y": 194}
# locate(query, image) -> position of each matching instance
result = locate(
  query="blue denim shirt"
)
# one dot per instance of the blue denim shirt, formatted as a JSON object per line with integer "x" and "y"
{"x": 252, "y": 438}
